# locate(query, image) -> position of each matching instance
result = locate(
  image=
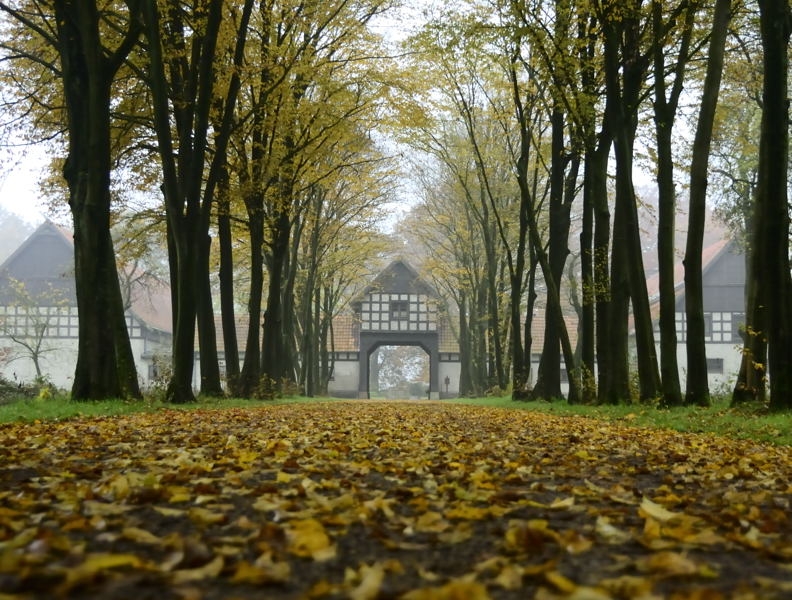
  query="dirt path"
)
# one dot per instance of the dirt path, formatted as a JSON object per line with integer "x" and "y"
{"x": 376, "y": 500}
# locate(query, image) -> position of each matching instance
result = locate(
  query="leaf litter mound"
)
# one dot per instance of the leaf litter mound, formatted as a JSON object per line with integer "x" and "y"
{"x": 367, "y": 500}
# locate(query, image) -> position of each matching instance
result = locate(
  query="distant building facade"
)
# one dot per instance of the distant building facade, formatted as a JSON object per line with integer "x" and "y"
{"x": 723, "y": 281}
{"x": 397, "y": 309}
{"x": 39, "y": 323}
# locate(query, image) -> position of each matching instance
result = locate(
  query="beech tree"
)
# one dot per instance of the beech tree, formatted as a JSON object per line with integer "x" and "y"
{"x": 446, "y": 229}
{"x": 304, "y": 86}
{"x": 338, "y": 206}
{"x": 91, "y": 51}
{"x": 666, "y": 103}
{"x": 552, "y": 47}
{"x": 697, "y": 391}
{"x": 771, "y": 239}
{"x": 183, "y": 50}
{"x": 489, "y": 93}
{"x": 734, "y": 168}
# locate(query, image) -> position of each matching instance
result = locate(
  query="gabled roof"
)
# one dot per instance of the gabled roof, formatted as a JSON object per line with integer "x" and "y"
{"x": 46, "y": 258}
{"x": 43, "y": 263}
{"x": 709, "y": 256}
{"x": 47, "y": 228}
{"x": 399, "y": 277}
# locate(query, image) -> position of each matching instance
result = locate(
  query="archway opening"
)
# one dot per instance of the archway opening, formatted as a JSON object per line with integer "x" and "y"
{"x": 399, "y": 372}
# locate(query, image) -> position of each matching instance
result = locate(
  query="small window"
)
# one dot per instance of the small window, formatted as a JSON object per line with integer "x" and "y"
{"x": 715, "y": 366}
{"x": 399, "y": 310}
{"x": 708, "y": 325}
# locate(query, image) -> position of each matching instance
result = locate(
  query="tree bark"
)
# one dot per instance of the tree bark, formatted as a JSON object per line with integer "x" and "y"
{"x": 665, "y": 108}
{"x": 251, "y": 369}
{"x": 624, "y": 75}
{"x": 548, "y": 381}
{"x": 598, "y": 182}
{"x": 697, "y": 385}
{"x": 105, "y": 363}
{"x": 191, "y": 94}
{"x": 772, "y": 198}
{"x": 226, "y": 276}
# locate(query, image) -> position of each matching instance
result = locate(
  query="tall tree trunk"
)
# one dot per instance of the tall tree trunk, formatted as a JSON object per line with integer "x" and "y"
{"x": 772, "y": 198}
{"x": 666, "y": 254}
{"x": 465, "y": 348}
{"x": 586, "y": 126}
{"x": 665, "y": 108}
{"x": 618, "y": 376}
{"x": 697, "y": 385}
{"x": 251, "y": 368}
{"x": 226, "y": 276}
{"x": 618, "y": 380}
{"x": 325, "y": 336}
{"x": 573, "y": 396}
{"x": 530, "y": 306}
{"x": 598, "y": 181}
{"x": 548, "y": 381}
{"x": 273, "y": 360}
{"x": 521, "y": 362}
{"x": 751, "y": 384}
{"x": 480, "y": 320}
{"x": 105, "y": 363}
{"x": 587, "y": 322}
{"x": 624, "y": 74}
{"x": 207, "y": 330}
{"x": 190, "y": 93}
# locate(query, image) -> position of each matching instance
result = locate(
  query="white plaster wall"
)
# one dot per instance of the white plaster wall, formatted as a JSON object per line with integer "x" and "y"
{"x": 718, "y": 383}
{"x": 57, "y": 362}
{"x": 451, "y": 370}
{"x": 346, "y": 376}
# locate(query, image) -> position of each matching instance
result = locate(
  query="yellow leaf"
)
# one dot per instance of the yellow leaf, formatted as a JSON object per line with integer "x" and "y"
{"x": 94, "y": 564}
{"x": 510, "y": 577}
{"x": 208, "y": 571}
{"x": 575, "y": 542}
{"x": 560, "y": 582}
{"x": 169, "y": 512}
{"x": 467, "y": 512}
{"x": 461, "y": 533}
{"x": 308, "y": 538}
{"x": 203, "y": 516}
{"x": 667, "y": 563}
{"x": 650, "y": 509}
{"x": 629, "y": 586}
{"x": 563, "y": 503}
{"x": 431, "y": 522}
{"x": 588, "y": 593}
{"x": 99, "y": 562}
{"x": 528, "y": 536}
{"x": 454, "y": 590}
{"x": 263, "y": 571}
{"x": 140, "y": 535}
{"x": 370, "y": 582}
{"x": 92, "y": 507}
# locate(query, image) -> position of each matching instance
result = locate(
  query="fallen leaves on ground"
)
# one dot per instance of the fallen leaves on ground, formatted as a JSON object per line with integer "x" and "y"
{"x": 369, "y": 500}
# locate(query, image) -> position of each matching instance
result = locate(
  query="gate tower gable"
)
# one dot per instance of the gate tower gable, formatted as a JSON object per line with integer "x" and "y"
{"x": 398, "y": 309}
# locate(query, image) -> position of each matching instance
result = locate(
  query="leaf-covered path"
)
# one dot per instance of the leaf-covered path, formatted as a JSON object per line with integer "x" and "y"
{"x": 368, "y": 500}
